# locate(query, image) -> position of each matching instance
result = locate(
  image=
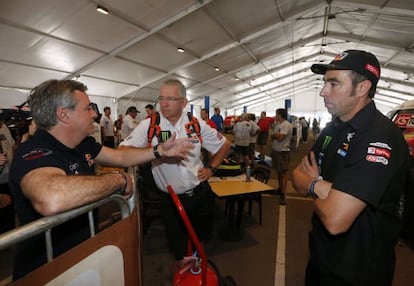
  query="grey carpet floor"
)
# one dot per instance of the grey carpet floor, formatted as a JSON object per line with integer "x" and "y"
{"x": 250, "y": 261}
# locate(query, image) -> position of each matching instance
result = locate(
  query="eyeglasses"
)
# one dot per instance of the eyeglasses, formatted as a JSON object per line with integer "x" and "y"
{"x": 169, "y": 99}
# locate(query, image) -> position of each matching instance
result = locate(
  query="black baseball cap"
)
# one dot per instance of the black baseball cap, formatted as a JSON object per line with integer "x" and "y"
{"x": 362, "y": 62}
{"x": 132, "y": 109}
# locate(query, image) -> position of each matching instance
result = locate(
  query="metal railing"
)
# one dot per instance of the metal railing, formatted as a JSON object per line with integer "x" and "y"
{"x": 45, "y": 224}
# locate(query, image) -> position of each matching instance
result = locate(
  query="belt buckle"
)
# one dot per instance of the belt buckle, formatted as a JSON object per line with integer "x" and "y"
{"x": 189, "y": 193}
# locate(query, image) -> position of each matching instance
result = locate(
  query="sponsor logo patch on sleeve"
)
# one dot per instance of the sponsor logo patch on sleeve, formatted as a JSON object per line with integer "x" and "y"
{"x": 88, "y": 158}
{"x": 378, "y": 152}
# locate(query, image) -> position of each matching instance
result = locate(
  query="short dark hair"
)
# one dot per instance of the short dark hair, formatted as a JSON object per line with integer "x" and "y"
{"x": 282, "y": 112}
{"x": 357, "y": 78}
{"x": 106, "y": 108}
{"x": 149, "y": 106}
{"x": 132, "y": 109}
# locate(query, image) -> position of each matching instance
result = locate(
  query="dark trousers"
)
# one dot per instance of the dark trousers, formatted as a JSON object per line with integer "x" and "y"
{"x": 109, "y": 141}
{"x": 7, "y": 213}
{"x": 305, "y": 133}
{"x": 315, "y": 277}
{"x": 200, "y": 210}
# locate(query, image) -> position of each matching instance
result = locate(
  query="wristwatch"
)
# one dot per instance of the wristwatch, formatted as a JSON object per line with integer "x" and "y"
{"x": 311, "y": 191}
{"x": 156, "y": 153}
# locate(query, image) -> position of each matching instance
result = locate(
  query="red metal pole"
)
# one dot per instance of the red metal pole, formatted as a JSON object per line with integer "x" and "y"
{"x": 191, "y": 233}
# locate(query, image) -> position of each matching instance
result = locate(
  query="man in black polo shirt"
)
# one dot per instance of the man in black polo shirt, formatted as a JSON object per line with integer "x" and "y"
{"x": 356, "y": 173}
{"x": 54, "y": 170}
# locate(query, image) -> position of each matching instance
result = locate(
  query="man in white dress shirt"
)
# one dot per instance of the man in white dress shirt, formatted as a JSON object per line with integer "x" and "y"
{"x": 187, "y": 177}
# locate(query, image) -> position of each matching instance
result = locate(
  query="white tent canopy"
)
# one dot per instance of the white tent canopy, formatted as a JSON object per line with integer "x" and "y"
{"x": 240, "y": 53}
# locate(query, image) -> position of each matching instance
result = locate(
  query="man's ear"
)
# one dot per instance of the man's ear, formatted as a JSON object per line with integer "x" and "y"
{"x": 363, "y": 87}
{"x": 62, "y": 115}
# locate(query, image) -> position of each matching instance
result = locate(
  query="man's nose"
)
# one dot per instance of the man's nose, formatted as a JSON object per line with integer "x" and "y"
{"x": 323, "y": 91}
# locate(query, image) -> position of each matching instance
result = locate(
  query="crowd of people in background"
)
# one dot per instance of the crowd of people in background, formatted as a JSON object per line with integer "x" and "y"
{"x": 64, "y": 120}
{"x": 249, "y": 135}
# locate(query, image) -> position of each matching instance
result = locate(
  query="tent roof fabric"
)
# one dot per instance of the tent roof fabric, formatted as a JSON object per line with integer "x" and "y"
{"x": 238, "y": 52}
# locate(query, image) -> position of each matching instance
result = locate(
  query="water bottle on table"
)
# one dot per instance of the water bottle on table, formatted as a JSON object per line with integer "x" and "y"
{"x": 248, "y": 173}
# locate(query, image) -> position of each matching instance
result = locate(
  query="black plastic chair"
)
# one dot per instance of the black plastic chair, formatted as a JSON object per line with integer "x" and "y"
{"x": 262, "y": 174}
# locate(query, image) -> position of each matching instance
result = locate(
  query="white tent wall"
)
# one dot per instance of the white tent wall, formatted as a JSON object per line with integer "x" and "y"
{"x": 12, "y": 97}
{"x": 303, "y": 103}
{"x": 105, "y": 101}
{"x": 307, "y": 104}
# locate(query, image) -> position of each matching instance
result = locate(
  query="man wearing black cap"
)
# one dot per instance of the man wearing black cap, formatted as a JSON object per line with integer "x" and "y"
{"x": 355, "y": 173}
{"x": 130, "y": 121}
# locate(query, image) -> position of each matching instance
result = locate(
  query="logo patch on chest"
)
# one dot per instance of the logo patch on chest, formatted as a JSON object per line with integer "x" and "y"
{"x": 378, "y": 152}
{"x": 37, "y": 153}
{"x": 377, "y": 159}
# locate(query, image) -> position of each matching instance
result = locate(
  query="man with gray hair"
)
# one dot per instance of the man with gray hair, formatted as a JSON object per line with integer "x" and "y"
{"x": 187, "y": 177}
{"x": 54, "y": 170}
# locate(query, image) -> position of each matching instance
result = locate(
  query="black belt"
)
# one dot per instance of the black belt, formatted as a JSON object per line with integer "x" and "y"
{"x": 191, "y": 192}
{"x": 188, "y": 193}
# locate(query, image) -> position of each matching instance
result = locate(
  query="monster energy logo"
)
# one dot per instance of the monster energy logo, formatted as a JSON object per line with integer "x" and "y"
{"x": 165, "y": 135}
{"x": 326, "y": 142}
